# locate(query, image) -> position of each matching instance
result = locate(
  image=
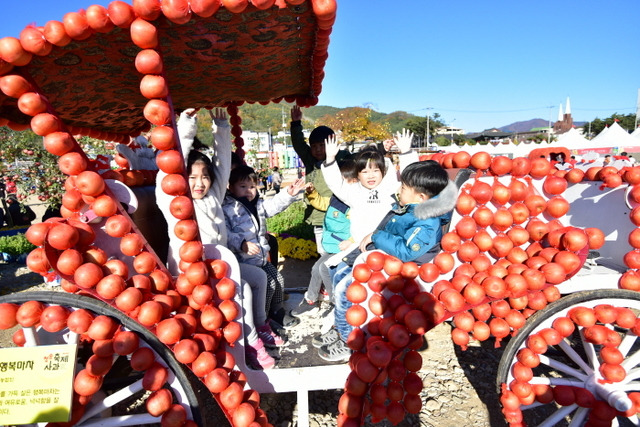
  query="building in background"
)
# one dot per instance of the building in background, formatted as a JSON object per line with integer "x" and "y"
{"x": 274, "y": 151}
{"x": 565, "y": 121}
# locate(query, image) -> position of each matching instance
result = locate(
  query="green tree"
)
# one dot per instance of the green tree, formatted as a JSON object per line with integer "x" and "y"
{"x": 460, "y": 139}
{"x": 270, "y": 117}
{"x": 398, "y": 120}
{"x": 204, "y": 128}
{"x": 442, "y": 141}
{"x": 314, "y": 113}
{"x": 420, "y": 126}
{"x": 626, "y": 121}
{"x": 355, "y": 124}
{"x": 265, "y": 118}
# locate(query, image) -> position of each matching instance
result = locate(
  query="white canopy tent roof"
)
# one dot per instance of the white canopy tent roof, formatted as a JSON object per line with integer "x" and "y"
{"x": 572, "y": 140}
{"x": 613, "y": 136}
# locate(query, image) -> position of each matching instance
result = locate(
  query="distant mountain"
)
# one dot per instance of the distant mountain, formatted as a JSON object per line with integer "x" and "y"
{"x": 531, "y": 124}
{"x": 314, "y": 113}
{"x": 525, "y": 126}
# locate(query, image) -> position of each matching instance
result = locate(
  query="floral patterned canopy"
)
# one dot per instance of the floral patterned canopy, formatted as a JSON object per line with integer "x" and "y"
{"x": 253, "y": 56}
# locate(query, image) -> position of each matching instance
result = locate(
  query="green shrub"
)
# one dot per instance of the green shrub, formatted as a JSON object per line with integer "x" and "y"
{"x": 291, "y": 222}
{"x": 15, "y": 245}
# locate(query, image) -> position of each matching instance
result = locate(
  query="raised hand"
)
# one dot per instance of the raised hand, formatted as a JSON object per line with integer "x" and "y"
{"x": 403, "y": 140}
{"x": 296, "y": 113}
{"x": 219, "y": 115}
{"x": 296, "y": 187}
{"x": 331, "y": 148}
{"x": 388, "y": 144}
{"x": 191, "y": 112}
{"x": 309, "y": 188}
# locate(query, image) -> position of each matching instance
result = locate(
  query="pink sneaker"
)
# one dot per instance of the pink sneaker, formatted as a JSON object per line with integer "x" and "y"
{"x": 258, "y": 357}
{"x": 268, "y": 337}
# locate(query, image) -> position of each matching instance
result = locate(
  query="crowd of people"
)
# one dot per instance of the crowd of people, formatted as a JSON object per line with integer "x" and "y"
{"x": 356, "y": 202}
{"x": 351, "y": 205}
{"x": 360, "y": 201}
{"x": 270, "y": 180}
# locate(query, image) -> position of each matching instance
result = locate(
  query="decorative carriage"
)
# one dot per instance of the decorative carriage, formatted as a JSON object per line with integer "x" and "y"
{"x": 515, "y": 246}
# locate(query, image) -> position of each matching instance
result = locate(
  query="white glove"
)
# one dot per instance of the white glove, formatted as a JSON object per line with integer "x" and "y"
{"x": 331, "y": 148}
{"x": 189, "y": 112}
{"x": 403, "y": 140}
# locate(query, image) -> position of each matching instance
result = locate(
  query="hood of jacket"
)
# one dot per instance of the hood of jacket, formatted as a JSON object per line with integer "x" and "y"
{"x": 438, "y": 205}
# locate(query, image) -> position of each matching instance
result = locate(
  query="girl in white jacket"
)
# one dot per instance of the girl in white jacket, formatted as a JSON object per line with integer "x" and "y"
{"x": 208, "y": 180}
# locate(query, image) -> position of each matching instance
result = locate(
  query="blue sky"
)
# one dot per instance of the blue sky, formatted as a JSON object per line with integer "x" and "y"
{"x": 478, "y": 64}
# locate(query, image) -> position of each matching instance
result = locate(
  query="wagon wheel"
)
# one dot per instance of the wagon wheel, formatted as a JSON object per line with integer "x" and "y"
{"x": 570, "y": 368}
{"x": 122, "y": 386}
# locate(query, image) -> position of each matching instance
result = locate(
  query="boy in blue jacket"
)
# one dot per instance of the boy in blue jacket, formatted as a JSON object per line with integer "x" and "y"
{"x": 411, "y": 232}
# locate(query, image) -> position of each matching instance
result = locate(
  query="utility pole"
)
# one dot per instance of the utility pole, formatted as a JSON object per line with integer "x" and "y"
{"x": 549, "y": 133}
{"x": 451, "y": 130}
{"x": 637, "y": 110}
{"x": 284, "y": 128}
{"x": 428, "y": 128}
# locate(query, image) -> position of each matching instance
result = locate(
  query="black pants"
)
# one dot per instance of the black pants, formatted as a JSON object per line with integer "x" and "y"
{"x": 273, "y": 251}
{"x": 275, "y": 289}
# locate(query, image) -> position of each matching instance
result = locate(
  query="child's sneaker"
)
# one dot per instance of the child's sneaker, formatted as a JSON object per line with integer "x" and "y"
{"x": 305, "y": 307}
{"x": 327, "y": 338}
{"x": 258, "y": 357}
{"x": 268, "y": 337}
{"x": 335, "y": 352}
{"x": 326, "y": 310}
{"x": 283, "y": 320}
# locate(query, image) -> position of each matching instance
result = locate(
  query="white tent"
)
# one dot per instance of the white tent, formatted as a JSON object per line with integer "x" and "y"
{"x": 524, "y": 148}
{"x": 614, "y": 136}
{"x": 611, "y": 137}
{"x": 494, "y": 150}
{"x": 572, "y": 140}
